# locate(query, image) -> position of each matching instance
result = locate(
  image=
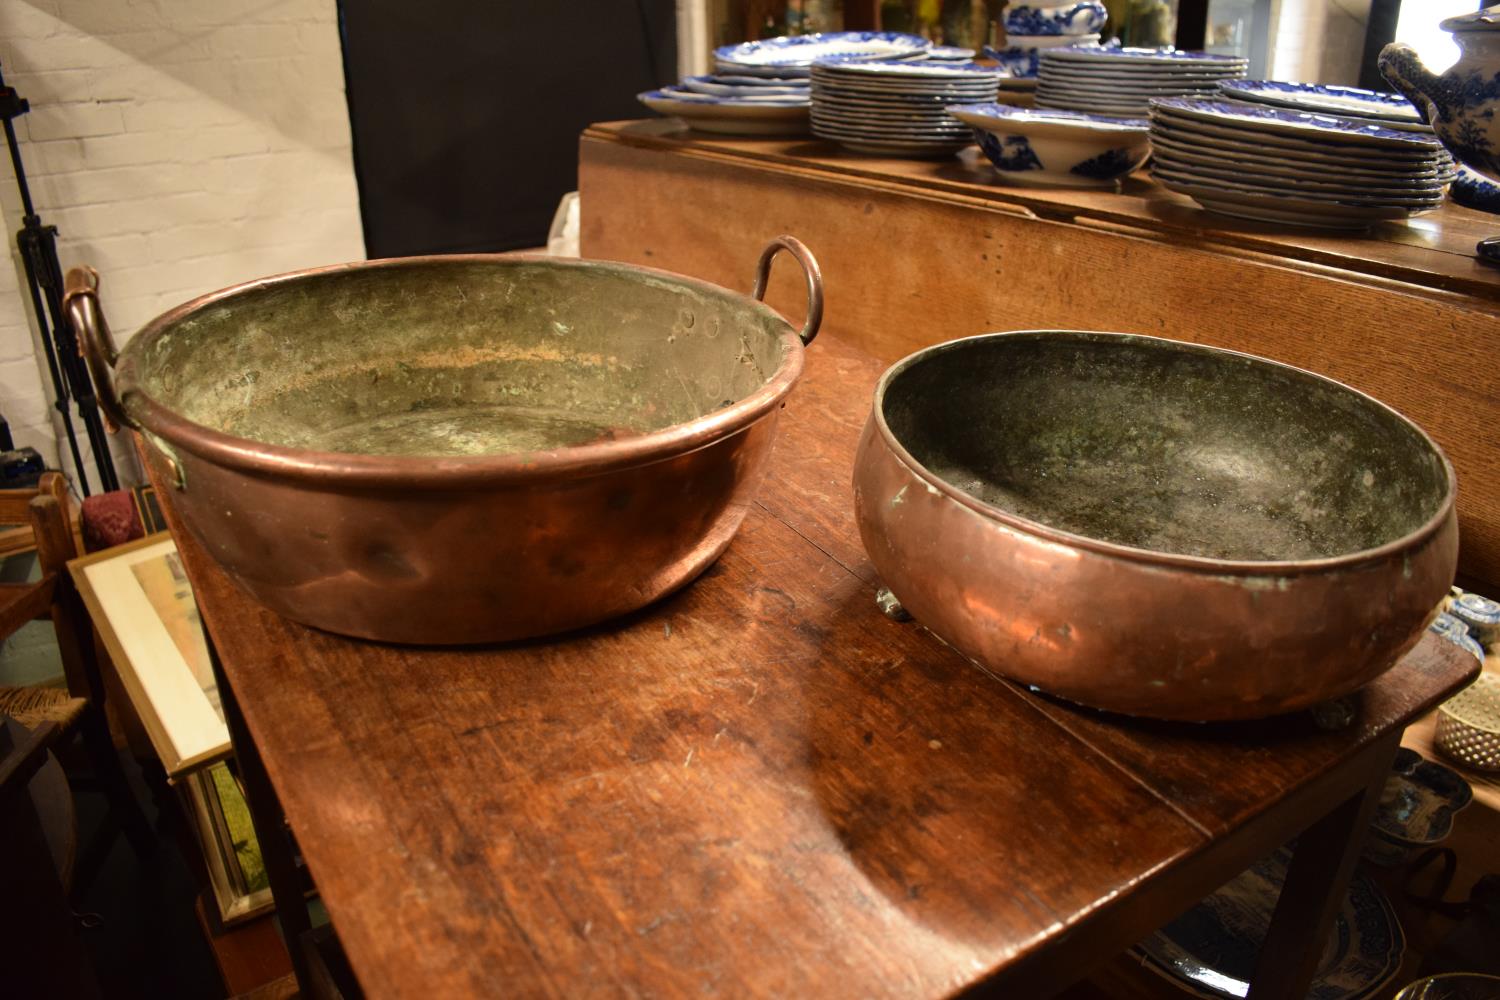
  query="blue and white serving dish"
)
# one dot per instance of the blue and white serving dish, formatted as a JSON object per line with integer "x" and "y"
{"x": 1211, "y": 950}
{"x": 1056, "y": 148}
{"x": 1416, "y": 808}
{"x": 1083, "y": 18}
{"x": 794, "y": 55}
{"x": 728, "y": 115}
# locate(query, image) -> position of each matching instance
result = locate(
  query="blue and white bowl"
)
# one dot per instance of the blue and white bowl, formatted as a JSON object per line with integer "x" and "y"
{"x": 1082, "y": 18}
{"x": 1041, "y": 148}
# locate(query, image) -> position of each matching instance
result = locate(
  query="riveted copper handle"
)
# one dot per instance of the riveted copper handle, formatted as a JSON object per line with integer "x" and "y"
{"x": 81, "y": 302}
{"x": 809, "y": 268}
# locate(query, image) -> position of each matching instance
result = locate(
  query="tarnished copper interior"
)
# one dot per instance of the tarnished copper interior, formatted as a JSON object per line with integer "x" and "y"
{"x": 1142, "y": 443}
{"x": 451, "y": 358}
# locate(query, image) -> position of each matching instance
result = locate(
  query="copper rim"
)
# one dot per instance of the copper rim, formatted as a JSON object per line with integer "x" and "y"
{"x": 440, "y": 472}
{"x": 1217, "y": 566}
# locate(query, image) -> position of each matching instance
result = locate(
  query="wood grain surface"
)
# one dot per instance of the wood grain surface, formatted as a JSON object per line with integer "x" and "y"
{"x": 758, "y": 786}
{"x": 918, "y": 252}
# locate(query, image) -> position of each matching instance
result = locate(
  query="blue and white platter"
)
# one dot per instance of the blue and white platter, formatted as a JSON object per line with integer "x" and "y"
{"x": 1419, "y": 800}
{"x": 1327, "y": 99}
{"x": 794, "y": 54}
{"x": 728, "y": 116}
{"x": 1261, "y": 119}
{"x": 1211, "y": 950}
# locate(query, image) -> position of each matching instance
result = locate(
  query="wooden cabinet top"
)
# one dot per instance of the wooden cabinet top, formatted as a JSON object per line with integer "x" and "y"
{"x": 1434, "y": 250}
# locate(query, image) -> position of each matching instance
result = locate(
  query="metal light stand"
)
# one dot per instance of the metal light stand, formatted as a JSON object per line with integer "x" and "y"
{"x": 38, "y": 246}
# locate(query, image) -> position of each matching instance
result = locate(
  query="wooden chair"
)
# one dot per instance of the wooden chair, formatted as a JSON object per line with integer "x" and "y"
{"x": 79, "y": 707}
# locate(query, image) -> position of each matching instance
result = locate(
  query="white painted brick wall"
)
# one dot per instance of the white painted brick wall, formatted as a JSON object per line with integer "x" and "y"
{"x": 179, "y": 146}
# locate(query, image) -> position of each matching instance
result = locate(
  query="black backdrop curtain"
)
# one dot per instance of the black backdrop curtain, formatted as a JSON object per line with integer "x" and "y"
{"x": 466, "y": 113}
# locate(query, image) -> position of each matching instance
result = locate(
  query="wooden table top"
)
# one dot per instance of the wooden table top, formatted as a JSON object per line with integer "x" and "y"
{"x": 758, "y": 786}
{"x": 1434, "y": 250}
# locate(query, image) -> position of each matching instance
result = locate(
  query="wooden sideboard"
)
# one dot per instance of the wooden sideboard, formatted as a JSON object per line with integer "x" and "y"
{"x": 916, "y": 252}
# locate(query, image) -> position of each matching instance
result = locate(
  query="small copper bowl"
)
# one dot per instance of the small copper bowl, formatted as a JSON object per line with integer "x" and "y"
{"x": 1151, "y": 527}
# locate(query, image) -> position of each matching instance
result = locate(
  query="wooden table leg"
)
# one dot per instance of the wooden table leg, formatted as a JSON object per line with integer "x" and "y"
{"x": 1316, "y": 881}
{"x": 270, "y": 828}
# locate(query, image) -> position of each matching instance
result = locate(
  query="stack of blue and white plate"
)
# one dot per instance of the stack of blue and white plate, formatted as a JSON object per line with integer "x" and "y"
{"x": 897, "y": 108}
{"x": 1106, "y": 80}
{"x": 949, "y": 54}
{"x": 1283, "y": 165}
{"x": 1368, "y": 107}
{"x": 762, "y": 87}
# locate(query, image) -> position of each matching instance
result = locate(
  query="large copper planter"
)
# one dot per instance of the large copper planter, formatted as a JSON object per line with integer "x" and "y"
{"x": 458, "y": 449}
{"x": 1150, "y": 527}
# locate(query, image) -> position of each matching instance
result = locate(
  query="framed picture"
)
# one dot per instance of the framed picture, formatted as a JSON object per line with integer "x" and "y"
{"x": 142, "y": 606}
{"x": 143, "y": 609}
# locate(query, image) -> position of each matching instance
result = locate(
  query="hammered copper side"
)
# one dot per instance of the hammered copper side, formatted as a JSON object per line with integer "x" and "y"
{"x": 1134, "y": 631}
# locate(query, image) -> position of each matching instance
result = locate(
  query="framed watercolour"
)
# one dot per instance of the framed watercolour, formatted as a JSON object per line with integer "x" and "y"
{"x": 142, "y": 606}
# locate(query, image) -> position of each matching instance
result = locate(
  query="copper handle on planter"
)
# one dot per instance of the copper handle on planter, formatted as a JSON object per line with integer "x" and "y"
{"x": 809, "y": 268}
{"x": 81, "y": 303}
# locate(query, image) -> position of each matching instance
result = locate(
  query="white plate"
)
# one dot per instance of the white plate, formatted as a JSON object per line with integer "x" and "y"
{"x": 731, "y": 119}
{"x": 1263, "y": 119}
{"x": 886, "y": 131}
{"x": 715, "y": 86}
{"x": 1269, "y": 209}
{"x": 881, "y": 69}
{"x": 1107, "y": 55}
{"x": 800, "y": 51}
{"x": 1232, "y": 191}
{"x": 1208, "y": 155}
{"x": 1317, "y": 189}
{"x": 683, "y": 94}
{"x": 1270, "y": 145}
{"x": 1328, "y": 99}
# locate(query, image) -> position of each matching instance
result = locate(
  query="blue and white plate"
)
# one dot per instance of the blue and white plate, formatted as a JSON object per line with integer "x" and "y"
{"x": 718, "y": 87}
{"x": 949, "y": 53}
{"x": 1149, "y": 57}
{"x": 684, "y": 94}
{"x": 1211, "y": 950}
{"x": 907, "y": 72}
{"x": 1236, "y": 200}
{"x": 727, "y": 116}
{"x": 897, "y": 108}
{"x": 794, "y": 54}
{"x": 1339, "y": 190}
{"x": 1327, "y": 99}
{"x": 1263, "y": 160}
{"x": 1292, "y": 147}
{"x": 1261, "y": 119}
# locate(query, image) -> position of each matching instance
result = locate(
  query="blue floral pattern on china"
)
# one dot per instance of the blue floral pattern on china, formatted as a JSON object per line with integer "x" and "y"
{"x": 1022, "y": 63}
{"x": 1011, "y": 153}
{"x": 1106, "y": 166}
{"x": 1009, "y": 112}
{"x": 1083, "y": 18}
{"x": 1212, "y": 950}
